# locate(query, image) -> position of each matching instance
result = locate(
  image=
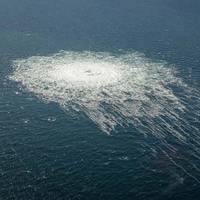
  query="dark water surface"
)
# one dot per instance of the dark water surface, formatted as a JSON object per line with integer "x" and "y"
{"x": 47, "y": 153}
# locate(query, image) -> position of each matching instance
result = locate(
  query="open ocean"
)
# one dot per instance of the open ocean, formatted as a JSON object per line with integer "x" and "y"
{"x": 99, "y": 100}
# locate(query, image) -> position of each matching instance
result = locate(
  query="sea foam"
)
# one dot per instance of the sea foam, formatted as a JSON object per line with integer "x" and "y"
{"x": 111, "y": 89}
{"x": 117, "y": 90}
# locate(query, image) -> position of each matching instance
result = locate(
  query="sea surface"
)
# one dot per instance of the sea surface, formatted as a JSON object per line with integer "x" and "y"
{"x": 99, "y": 100}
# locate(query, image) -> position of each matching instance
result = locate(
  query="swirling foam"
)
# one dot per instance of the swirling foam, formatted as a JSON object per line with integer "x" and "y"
{"x": 117, "y": 90}
{"x": 110, "y": 89}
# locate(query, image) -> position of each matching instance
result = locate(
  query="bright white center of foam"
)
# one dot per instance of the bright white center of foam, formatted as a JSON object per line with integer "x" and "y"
{"x": 86, "y": 74}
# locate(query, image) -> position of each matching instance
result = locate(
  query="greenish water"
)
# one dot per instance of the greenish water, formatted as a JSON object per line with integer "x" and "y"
{"x": 50, "y": 152}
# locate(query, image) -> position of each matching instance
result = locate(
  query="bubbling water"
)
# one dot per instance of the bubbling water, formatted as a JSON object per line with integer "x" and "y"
{"x": 86, "y": 74}
{"x": 110, "y": 89}
{"x": 114, "y": 90}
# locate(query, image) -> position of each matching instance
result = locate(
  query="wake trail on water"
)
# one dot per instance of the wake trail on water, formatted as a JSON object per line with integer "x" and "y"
{"x": 117, "y": 90}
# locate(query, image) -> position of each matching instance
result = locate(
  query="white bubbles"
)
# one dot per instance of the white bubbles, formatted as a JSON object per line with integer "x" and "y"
{"x": 111, "y": 89}
{"x": 86, "y": 74}
{"x": 123, "y": 89}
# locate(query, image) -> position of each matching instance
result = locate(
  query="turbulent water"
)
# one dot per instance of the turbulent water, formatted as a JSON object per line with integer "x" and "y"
{"x": 119, "y": 90}
{"x": 99, "y": 100}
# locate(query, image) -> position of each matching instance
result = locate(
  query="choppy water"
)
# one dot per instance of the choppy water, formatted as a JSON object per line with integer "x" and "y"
{"x": 99, "y": 100}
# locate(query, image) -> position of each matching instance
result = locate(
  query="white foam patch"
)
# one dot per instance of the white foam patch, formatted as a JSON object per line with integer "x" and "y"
{"x": 86, "y": 74}
{"x": 110, "y": 89}
{"x": 117, "y": 90}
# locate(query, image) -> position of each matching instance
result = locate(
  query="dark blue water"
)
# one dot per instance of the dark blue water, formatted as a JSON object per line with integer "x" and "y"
{"x": 46, "y": 153}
